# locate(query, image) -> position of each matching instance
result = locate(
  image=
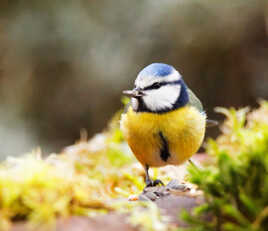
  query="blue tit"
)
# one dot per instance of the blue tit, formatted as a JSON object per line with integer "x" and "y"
{"x": 165, "y": 122}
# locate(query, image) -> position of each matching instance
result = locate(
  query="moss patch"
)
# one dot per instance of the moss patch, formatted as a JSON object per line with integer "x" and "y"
{"x": 236, "y": 186}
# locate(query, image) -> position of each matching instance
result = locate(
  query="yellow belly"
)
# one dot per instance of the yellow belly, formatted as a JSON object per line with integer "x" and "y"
{"x": 183, "y": 130}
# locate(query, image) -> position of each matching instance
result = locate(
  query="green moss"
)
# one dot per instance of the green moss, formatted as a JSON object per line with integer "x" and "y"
{"x": 236, "y": 187}
{"x": 86, "y": 178}
{"x": 83, "y": 180}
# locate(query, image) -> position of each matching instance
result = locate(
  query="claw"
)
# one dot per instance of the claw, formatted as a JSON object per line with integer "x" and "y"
{"x": 158, "y": 182}
{"x": 152, "y": 183}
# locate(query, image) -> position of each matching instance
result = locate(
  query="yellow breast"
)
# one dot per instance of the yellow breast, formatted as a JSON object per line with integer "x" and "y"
{"x": 183, "y": 130}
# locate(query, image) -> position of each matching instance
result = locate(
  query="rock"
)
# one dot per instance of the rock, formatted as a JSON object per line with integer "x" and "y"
{"x": 172, "y": 198}
{"x": 111, "y": 222}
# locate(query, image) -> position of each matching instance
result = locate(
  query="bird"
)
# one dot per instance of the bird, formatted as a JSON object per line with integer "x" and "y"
{"x": 164, "y": 123}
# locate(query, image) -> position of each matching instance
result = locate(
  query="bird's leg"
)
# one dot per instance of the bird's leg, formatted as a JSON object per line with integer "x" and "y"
{"x": 148, "y": 181}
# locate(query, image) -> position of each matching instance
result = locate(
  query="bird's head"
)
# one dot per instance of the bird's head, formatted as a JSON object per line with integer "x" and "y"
{"x": 158, "y": 88}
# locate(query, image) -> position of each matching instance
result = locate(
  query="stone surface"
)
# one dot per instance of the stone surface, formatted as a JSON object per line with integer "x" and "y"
{"x": 171, "y": 199}
{"x": 111, "y": 222}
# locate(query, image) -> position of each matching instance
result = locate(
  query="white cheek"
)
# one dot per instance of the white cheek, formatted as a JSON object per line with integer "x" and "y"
{"x": 162, "y": 98}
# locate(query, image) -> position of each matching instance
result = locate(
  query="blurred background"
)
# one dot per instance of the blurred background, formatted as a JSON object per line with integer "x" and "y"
{"x": 64, "y": 64}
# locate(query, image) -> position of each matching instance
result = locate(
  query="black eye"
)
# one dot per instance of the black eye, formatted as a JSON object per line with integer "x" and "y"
{"x": 155, "y": 86}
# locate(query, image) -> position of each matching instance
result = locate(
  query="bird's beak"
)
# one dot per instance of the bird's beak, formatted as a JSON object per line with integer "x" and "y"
{"x": 134, "y": 93}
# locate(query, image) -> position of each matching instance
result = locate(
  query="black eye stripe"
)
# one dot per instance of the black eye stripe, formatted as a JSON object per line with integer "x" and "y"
{"x": 153, "y": 86}
{"x": 160, "y": 84}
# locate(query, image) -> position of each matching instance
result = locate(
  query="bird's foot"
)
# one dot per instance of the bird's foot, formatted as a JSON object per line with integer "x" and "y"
{"x": 174, "y": 187}
{"x": 153, "y": 183}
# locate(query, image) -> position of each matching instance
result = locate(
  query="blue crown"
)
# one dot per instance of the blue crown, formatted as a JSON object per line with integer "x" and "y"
{"x": 157, "y": 69}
